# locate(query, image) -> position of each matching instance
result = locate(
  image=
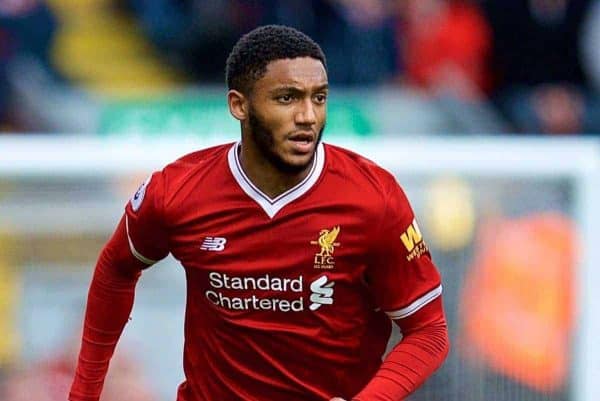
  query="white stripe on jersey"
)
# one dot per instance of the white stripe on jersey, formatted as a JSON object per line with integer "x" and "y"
{"x": 416, "y": 305}
{"x": 134, "y": 251}
{"x": 272, "y": 206}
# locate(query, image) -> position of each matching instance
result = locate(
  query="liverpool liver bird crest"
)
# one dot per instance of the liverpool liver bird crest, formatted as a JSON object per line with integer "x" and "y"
{"x": 327, "y": 241}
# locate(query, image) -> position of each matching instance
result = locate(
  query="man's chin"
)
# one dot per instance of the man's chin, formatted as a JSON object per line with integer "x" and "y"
{"x": 295, "y": 164}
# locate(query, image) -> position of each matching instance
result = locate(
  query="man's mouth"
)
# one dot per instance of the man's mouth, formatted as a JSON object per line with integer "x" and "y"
{"x": 302, "y": 141}
{"x": 302, "y": 137}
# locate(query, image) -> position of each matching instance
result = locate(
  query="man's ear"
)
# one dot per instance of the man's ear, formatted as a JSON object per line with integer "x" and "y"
{"x": 238, "y": 104}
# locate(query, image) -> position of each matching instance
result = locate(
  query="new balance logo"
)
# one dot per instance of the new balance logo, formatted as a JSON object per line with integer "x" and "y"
{"x": 216, "y": 244}
{"x": 322, "y": 293}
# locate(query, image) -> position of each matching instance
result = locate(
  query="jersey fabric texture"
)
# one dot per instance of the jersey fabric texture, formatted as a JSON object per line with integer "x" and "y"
{"x": 287, "y": 298}
{"x": 266, "y": 290}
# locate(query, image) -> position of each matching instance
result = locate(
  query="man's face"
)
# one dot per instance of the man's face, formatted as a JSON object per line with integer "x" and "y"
{"x": 287, "y": 112}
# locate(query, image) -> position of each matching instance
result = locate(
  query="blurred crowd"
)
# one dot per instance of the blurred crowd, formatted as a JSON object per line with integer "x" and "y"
{"x": 535, "y": 61}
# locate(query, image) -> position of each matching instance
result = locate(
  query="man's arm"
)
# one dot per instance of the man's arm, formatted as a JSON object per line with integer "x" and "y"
{"x": 109, "y": 304}
{"x": 139, "y": 241}
{"x": 406, "y": 285}
{"x": 421, "y": 351}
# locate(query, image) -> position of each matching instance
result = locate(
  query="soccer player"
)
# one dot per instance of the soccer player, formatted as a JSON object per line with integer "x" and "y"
{"x": 297, "y": 254}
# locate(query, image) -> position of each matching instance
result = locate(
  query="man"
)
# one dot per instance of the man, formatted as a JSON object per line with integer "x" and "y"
{"x": 297, "y": 254}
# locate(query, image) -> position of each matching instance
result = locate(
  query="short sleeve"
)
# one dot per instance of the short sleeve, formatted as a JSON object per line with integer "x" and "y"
{"x": 144, "y": 219}
{"x": 402, "y": 276}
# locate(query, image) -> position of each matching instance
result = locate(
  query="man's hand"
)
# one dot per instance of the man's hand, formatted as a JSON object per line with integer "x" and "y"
{"x": 337, "y": 399}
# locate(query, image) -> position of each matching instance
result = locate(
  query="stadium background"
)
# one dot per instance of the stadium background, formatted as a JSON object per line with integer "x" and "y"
{"x": 485, "y": 110}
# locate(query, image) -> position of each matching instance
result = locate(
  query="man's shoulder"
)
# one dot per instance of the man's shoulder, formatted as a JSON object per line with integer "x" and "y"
{"x": 196, "y": 161}
{"x": 194, "y": 167}
{"x": 352, "y": 164}
{"x": 202, "y": 156}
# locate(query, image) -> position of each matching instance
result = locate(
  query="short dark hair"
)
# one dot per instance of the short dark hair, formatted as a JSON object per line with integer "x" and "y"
{"x": 250, "y": 56}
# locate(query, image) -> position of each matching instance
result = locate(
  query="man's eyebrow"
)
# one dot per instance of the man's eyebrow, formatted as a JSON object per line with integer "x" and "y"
{"x": 296, "y": 89}
{"x": 287, "y": 88}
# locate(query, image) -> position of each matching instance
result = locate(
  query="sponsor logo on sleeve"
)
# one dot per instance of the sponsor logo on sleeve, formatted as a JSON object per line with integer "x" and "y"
{"x": 413, "y": 241}
{"x": 138, "y": 197}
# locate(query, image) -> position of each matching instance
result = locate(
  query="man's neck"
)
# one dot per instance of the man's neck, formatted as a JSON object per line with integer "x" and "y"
{"x": 265, "y": 176}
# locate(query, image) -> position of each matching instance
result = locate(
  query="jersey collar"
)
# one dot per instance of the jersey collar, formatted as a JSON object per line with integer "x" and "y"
{"x": 272, "y": 206}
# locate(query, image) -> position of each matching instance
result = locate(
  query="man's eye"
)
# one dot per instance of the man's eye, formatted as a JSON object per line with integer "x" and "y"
{"x": 321, "y": 98}
{"x": 285, "y": 98}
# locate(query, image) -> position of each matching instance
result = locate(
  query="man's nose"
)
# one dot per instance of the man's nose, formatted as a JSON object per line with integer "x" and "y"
{"x": 307, "y": 114}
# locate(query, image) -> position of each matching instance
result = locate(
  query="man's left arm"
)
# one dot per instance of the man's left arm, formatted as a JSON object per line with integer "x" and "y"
{"x": 406, "y": 285}
{"x": 421, "y": 352}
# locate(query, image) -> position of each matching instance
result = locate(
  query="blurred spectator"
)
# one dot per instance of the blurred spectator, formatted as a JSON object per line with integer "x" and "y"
{"x": 197, "y": 34}
{"x": 541, "y": 85}
{"x": 356, "y": 35}
{"x": 26, "y": 29}
{"x": 445, "y": 45}
{"x": 590, "y": 47}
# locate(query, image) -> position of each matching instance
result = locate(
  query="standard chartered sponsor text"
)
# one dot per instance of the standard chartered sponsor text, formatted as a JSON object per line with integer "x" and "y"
{"x": 248, "y": 301}
{"x": 265, "y": 282}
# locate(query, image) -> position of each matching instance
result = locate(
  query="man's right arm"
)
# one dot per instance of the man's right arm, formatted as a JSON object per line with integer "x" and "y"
{"x": 139, "y": 241}
{"x": 109, "y": 304}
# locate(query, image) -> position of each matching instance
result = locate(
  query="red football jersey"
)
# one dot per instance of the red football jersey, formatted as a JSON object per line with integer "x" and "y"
{"x": 287, "y": 298}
